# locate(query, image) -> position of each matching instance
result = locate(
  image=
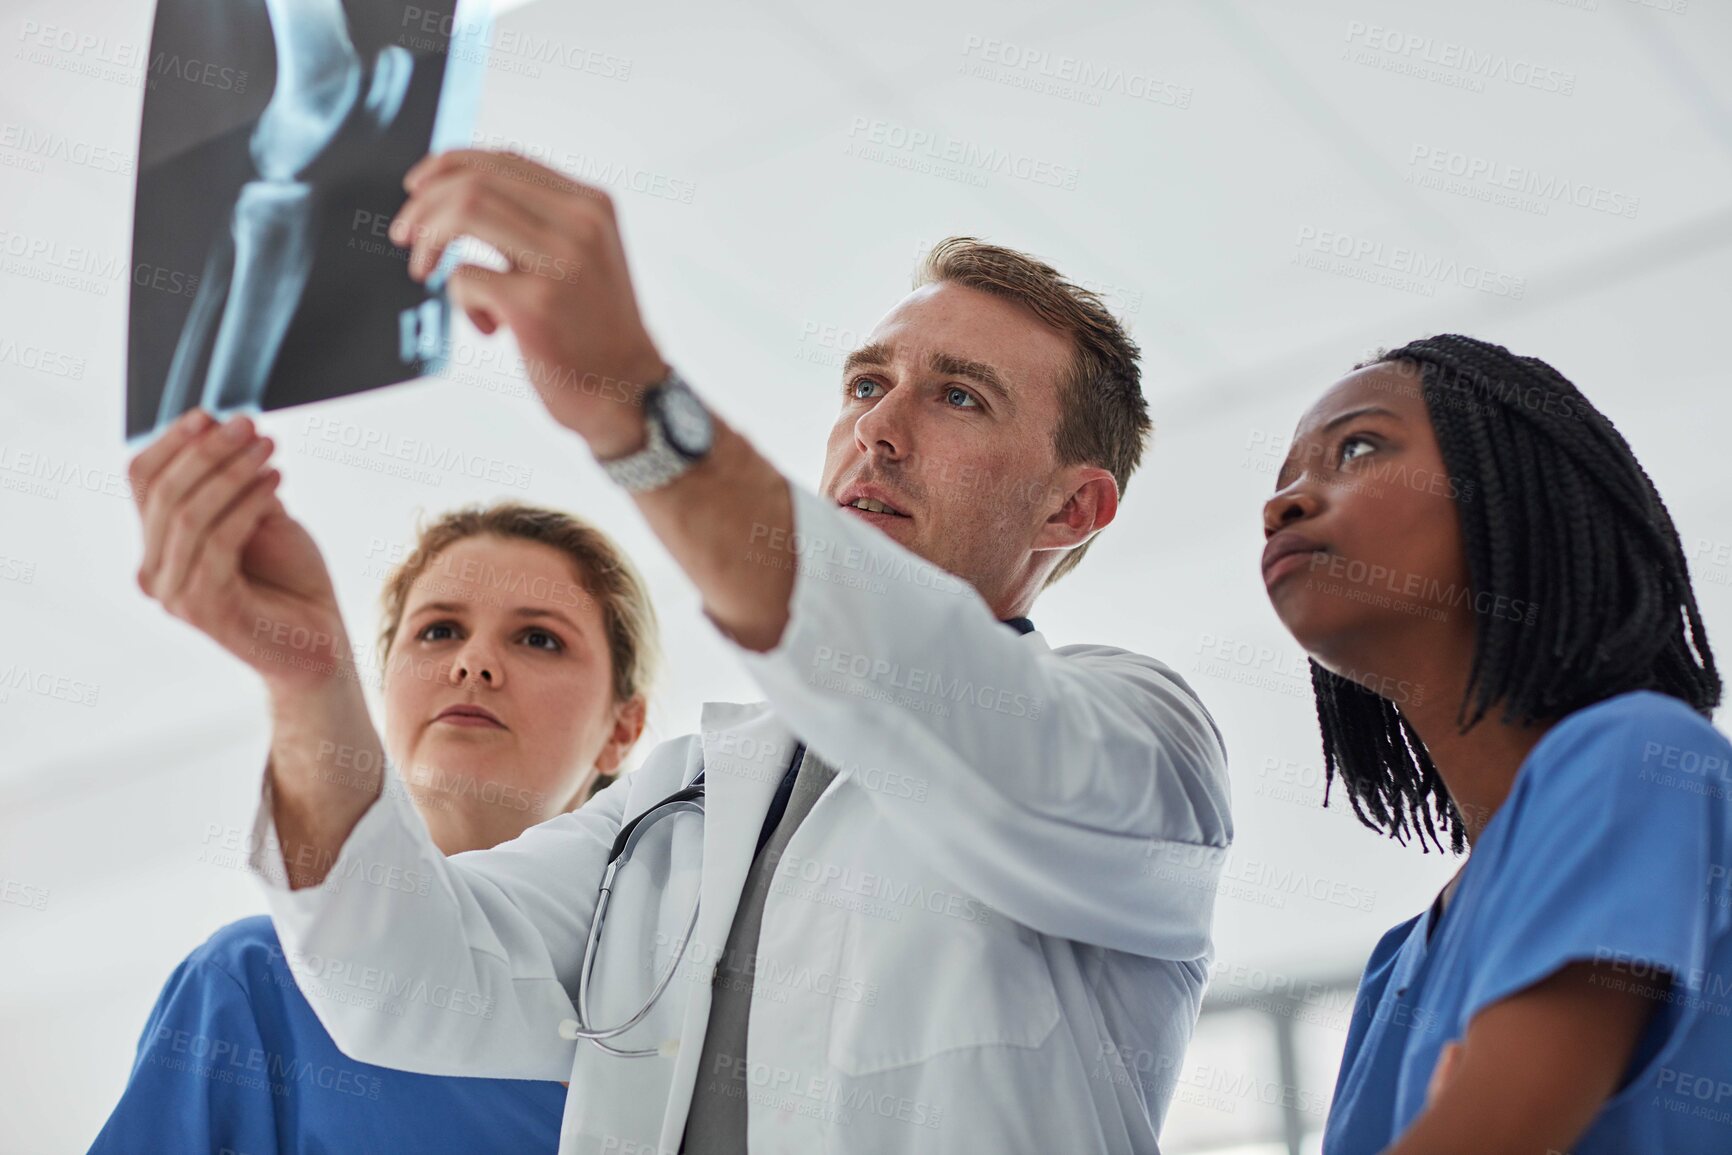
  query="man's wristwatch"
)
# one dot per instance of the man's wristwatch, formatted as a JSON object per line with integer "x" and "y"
{"x": 680, "y": 435}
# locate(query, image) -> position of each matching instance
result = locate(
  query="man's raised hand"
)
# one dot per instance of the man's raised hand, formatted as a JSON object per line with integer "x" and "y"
{"x": 567, "y": 296}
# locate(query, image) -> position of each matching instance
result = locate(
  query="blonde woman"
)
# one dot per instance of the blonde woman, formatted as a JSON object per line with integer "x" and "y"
{"x": 517, "y": 645}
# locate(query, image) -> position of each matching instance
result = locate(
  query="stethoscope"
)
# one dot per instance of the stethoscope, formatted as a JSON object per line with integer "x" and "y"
{"x": 688, "y": 799}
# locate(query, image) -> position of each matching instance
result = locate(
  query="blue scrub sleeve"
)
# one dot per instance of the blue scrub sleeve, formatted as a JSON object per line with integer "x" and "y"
{"x": 201, "y": 1082}
{"x": 1607, "y": 858}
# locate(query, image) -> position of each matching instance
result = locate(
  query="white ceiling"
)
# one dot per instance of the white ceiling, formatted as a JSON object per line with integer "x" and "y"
{"x": 1190, "y": 218}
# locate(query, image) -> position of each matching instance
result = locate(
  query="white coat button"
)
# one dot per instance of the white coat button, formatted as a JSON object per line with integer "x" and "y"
{"x": 568, "y": 1028}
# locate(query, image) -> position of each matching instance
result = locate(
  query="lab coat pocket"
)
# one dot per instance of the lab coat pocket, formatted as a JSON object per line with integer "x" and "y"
{"x": 943, "y": 975}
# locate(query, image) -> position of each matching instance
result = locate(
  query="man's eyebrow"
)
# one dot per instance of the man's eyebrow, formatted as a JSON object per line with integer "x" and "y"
{"x": 520, "y": 611}
{"x": 979, "y": 372}
{"x": 878, "y": 354}
{"x": 874, "y": 355}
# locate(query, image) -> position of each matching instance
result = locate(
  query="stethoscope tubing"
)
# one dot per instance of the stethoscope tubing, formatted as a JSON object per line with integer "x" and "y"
{"x": 689, "y": 798}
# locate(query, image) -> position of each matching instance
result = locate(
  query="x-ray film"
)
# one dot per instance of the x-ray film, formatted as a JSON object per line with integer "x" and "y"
{"x": 270, "y": 165}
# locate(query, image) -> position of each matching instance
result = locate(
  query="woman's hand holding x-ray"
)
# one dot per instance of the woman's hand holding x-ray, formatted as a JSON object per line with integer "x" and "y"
{"x": 222, "y": 554}
{"x": 567, "y": 296}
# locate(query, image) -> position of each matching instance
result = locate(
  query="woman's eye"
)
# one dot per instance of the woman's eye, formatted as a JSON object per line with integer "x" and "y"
{"x": 555, "y": 647}
{"x": 955, "y": 391}
{"x": 1348, "y": 442}
{"x": 539, "y": 639}
{"x": 854, "y": 387}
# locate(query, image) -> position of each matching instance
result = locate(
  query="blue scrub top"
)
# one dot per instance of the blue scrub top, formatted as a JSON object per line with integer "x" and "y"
{"x": 234, "y": 1062}
{"x": 1614, "y": 846}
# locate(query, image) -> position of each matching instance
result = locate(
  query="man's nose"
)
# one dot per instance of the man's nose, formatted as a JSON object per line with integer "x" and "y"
{"x": 885, "y": 430}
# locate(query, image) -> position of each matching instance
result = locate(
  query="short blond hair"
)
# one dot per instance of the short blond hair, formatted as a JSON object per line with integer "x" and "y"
{"x": 1103, "y": 419}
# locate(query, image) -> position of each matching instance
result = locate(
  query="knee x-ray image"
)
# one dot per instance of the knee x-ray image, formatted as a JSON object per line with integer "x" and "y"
{"x": 271, "y": 157}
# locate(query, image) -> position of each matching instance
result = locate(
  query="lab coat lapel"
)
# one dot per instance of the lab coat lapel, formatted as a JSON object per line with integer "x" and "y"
{"x": 746, "y": 751}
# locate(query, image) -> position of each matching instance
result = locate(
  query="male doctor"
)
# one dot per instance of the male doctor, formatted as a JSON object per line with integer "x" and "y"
{"x": 953, "y": 887}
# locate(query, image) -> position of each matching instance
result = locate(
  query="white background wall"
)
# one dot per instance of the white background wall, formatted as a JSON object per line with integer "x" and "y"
{"x": 1272, "y": 124}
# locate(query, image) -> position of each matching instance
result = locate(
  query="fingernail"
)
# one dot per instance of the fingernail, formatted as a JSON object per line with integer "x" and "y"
{"x": 235, "y": 429}
{"x": 398, "y": 229}
{"x": 192, "y": 419}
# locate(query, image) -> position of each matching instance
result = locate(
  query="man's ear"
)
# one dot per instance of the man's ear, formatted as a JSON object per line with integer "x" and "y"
{"x": 1091, "y": 502}
{"x": 628, "y": 725}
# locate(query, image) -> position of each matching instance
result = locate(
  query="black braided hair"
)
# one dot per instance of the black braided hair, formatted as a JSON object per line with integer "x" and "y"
{"x": 1556, "y": 515}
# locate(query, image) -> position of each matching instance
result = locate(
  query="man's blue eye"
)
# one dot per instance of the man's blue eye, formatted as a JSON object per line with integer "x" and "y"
{"x": 956, "y": 391}
{"x": 854, "y": 387}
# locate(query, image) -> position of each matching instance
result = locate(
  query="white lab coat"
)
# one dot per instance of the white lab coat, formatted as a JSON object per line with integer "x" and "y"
{"x": 991, "y": 933}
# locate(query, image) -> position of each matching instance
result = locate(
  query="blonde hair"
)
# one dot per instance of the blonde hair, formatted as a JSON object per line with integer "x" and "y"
{"x": 1103, "y": 419}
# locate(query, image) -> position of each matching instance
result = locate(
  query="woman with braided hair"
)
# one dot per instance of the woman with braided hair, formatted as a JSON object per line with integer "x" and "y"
{"x": 1507, "y": 656}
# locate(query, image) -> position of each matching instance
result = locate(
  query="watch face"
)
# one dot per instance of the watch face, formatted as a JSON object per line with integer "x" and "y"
{"x": 685, "y": 421}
